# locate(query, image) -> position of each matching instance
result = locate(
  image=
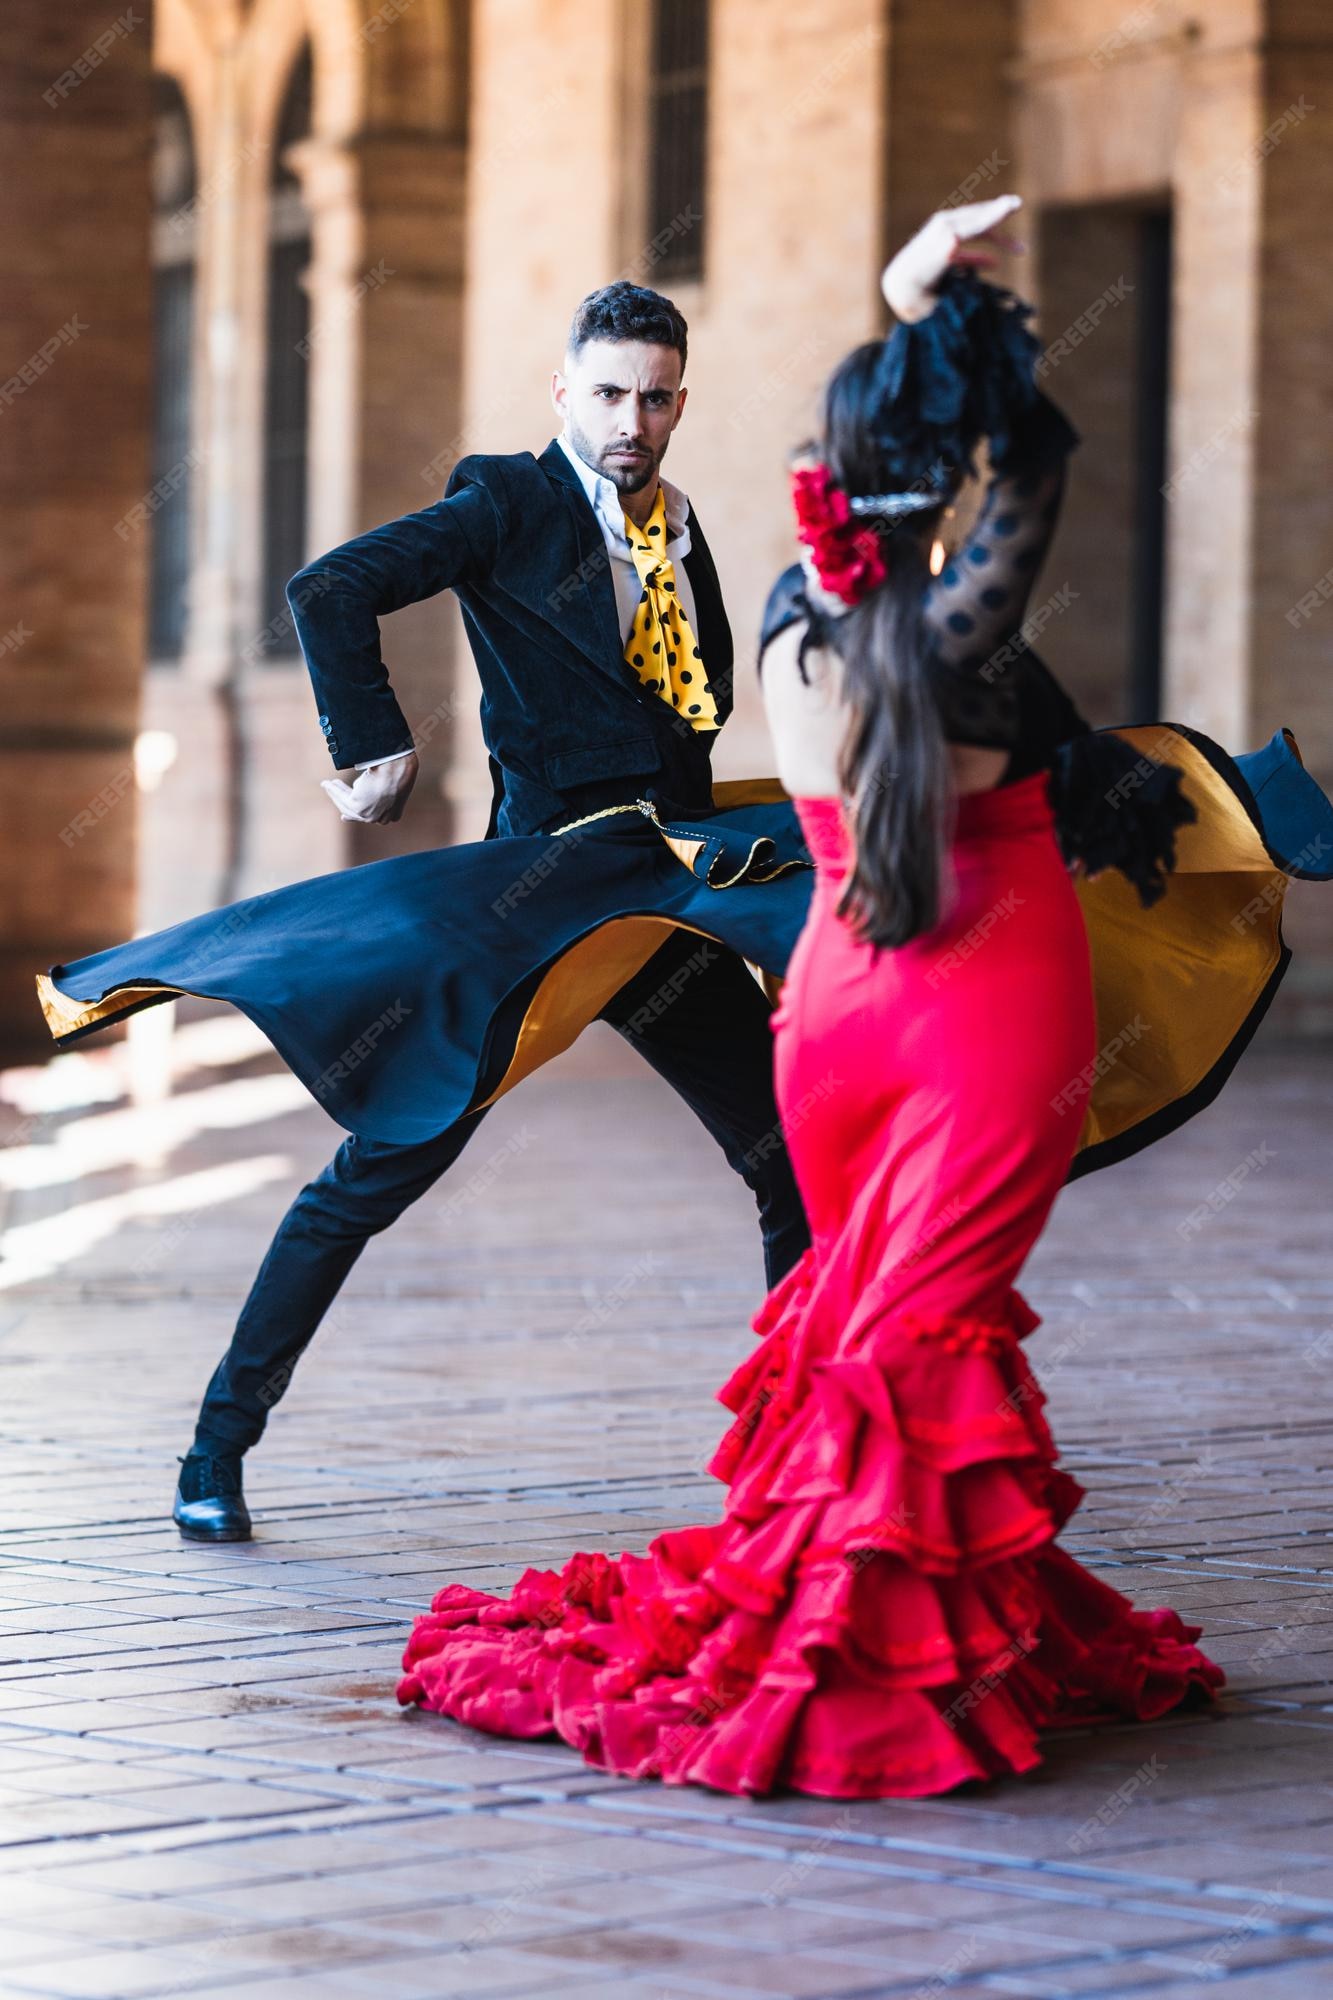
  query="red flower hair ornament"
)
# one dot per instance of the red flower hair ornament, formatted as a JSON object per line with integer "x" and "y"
{"x": 846, "y": 553}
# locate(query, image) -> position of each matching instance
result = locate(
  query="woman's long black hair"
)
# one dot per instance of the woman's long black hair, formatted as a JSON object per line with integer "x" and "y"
{"x": 895, "y": 767}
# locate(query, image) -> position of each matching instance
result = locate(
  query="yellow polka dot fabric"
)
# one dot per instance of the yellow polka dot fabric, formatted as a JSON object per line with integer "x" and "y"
{"x": 661, "y": 647}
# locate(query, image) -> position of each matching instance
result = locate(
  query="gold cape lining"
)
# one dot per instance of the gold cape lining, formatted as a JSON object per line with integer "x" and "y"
{"x": 1173, "y": 985}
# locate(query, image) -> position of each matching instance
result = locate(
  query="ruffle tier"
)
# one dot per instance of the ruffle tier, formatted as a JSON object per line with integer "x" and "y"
{"x": 882, "y": 1611}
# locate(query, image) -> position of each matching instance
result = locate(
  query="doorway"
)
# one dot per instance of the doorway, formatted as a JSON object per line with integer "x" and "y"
{"x": 1106, "y": 332}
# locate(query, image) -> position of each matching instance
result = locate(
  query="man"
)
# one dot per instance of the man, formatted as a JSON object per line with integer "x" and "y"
{"x": 595, "y": 617}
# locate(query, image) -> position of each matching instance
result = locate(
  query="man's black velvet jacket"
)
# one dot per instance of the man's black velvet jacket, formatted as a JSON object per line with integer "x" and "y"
{"x": 568, "y": 725}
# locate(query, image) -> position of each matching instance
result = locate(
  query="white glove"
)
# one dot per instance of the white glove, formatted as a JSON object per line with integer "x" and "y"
{"x": 379, "y": 794}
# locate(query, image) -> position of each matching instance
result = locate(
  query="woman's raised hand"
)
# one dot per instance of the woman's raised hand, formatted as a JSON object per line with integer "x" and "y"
{"x": 952, "y": 236}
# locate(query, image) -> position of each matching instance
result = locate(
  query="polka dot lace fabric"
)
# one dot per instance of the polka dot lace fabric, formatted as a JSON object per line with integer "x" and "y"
{"x": 983, "y": 667}
{"x": 975, "y": 609}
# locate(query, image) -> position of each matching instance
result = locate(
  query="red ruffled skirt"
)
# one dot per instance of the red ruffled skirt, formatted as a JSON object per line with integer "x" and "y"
{"x": 882, "y": 1610}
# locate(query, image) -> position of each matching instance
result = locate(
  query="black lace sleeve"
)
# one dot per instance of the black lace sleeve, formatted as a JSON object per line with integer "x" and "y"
{"x": 975, "y": 608}
{"x": 967, "y": 372}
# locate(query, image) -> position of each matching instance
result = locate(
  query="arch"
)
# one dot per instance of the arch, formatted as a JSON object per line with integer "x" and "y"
{"x": 175, "y": 167}
{"x": 295, "y": 118}
{"x": 286, "y": 370}
{"x": 374, "y": 69}
{"x": 182, "y": 52}
{"x": 417, "y": 80}
{"x": 379, "y": 177}
{"x": 175, "y": 181}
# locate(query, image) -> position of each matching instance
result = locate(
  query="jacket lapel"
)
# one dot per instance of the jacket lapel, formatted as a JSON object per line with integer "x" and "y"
{"x": 582, "y": 601}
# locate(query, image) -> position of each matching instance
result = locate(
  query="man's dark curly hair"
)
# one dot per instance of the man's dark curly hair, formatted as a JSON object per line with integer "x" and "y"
{"x": 622, "y": 311}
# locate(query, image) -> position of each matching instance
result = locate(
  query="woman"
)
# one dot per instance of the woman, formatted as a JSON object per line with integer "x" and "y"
{"x": 883, "y": 1611}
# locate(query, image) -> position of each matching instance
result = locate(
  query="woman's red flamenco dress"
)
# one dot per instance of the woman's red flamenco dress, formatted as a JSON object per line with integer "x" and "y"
{"x": 883, "y": 1610}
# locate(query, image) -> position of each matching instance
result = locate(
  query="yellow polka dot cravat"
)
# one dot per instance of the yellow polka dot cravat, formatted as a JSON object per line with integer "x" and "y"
{"x": 661, "y": 647}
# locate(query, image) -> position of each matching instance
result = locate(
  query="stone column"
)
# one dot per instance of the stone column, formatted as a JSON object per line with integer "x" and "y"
{"x": 192, "y": 698}
{"x": 1291, "y": 539}
{"x": 385, "y": 406}
{"x": 1214, "y": 408}
{"x": 1292, "y": 543}
{"x": 75, "y": 124}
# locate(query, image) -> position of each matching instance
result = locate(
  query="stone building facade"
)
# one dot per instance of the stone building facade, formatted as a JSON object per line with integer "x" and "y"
{"x": 333, "y": 246}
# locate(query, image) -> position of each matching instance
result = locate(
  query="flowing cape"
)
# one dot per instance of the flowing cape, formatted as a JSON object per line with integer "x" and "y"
{"x": 406, "y": 993}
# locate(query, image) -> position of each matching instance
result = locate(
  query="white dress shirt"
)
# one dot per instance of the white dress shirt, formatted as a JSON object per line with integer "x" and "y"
{"x": 604, "y": 498}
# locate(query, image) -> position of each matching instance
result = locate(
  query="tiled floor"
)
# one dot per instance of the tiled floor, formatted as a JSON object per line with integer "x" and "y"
{"x": 205, "y": 1783}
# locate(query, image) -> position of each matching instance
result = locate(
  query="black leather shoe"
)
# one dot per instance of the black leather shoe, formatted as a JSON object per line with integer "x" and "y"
{"x": 210, "y": 1506}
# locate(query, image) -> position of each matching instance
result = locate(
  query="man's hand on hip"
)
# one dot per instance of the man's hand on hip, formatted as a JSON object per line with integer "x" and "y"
{"x": 379, "y": 794}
